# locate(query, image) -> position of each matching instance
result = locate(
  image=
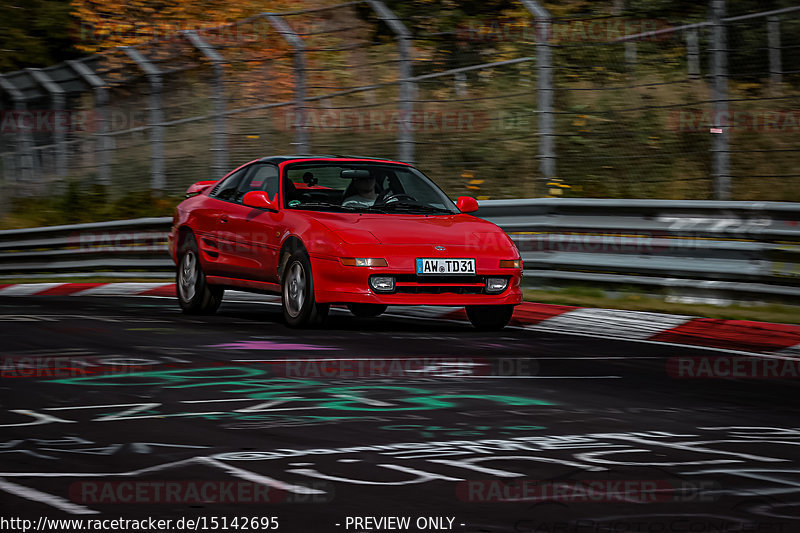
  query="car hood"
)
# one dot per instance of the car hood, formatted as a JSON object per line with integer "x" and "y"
{"x": 406, "y": 229}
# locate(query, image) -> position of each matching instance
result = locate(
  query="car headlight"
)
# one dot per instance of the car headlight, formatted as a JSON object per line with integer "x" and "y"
{"x": 496, "y": 285}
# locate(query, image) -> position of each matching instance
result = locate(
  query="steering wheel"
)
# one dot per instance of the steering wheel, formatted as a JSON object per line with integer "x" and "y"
{"x": 393, "y": 197}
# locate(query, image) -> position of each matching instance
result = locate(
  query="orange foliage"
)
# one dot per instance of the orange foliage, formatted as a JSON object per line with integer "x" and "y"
{"x": 259, "y": 59}
{"x": 103, "y": 24}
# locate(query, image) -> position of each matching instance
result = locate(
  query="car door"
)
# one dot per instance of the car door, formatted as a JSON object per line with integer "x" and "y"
{"x": 214, "y": 245}
{"x": 251, "y": 235}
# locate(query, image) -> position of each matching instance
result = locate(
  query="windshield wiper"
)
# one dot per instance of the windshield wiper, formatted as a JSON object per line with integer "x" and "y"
{"x": 407, "y": 207}
{"x": 317, "y": 205}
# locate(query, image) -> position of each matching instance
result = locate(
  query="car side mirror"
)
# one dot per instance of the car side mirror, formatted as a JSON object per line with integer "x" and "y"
{"x": 199, "y": 187}
{"x": 259, "y": 200}
{"x": 467, "y": 204}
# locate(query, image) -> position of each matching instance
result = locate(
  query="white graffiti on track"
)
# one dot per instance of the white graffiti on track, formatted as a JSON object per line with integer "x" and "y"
{"x": 53, "y": 448}
{"x": 722, "y": 452}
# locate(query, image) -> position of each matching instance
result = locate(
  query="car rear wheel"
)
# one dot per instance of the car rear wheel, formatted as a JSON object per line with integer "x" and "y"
{"x": 366, "y": 310}
{"x": 297, "y": 294}
{"x": 195, "y": 296}
{"x": 490, "y": 317}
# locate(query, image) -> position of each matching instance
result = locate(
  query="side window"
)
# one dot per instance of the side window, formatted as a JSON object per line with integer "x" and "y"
{"x": 263, "y": 178}
{"x": 228, "y": 189}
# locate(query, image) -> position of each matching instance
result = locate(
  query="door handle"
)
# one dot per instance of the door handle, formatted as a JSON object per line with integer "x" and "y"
{"x": 223, "y": 219}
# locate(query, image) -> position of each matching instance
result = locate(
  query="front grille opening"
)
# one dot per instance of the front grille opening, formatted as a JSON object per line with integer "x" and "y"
{"x": 433, "y": 280}
{"x": 436, "y": 289}
{"x": 413, "y": 284}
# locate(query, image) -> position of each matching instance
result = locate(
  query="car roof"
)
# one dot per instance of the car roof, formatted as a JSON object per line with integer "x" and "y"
{"x": 278, "y": 159}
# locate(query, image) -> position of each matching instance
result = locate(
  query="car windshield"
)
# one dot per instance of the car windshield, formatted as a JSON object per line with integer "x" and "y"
{"x": 362, "y": 187}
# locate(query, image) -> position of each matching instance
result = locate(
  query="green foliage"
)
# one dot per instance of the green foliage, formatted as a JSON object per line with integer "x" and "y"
{"x": 80, "y": 203}
{"x": 34, "y": 33}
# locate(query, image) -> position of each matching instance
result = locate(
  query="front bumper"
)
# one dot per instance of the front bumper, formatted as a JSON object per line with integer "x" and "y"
{"x": 336, "y": 283}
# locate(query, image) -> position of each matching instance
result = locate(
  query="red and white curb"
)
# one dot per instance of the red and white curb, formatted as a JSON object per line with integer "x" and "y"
{"x": 733, "y": 335}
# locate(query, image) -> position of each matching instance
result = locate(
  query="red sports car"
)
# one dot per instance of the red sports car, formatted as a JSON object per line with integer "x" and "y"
{"x": 325, "y": 230}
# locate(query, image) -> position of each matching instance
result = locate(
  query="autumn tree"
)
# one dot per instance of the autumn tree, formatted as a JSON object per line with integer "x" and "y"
{"x": 103, "y": 24}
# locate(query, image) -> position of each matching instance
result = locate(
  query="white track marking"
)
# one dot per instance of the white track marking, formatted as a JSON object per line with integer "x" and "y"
{"x": 659, "y": 343}
{"x": 43, "y": 497}
{"x": 27, "y": 289}
{"x": 791, "y": 351}
{"x": 630, "y": 326}
{"x": 118, "y": 289}
{"x": 258, "y": 478}
{"x": 98, "y": 406}
{"x": 627, "y": 324}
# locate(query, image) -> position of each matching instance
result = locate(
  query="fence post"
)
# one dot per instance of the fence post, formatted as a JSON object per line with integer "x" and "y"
{"x": 630, "y": 46}
{"x": 693, "y": 53}
{"x": 405, "y": 137}
{"x": 721, "y": 124}
{"x": 630, "y": 55}
{"x": 56, "y": 106}
{"x": 460, "y": 80}
{"x": 219, "y": 147}
{"x": 294, "y": 40}
{"x": 24, "y": 144}
{"x": 101, "y": 108}
{"x": 156, "y": 118}
{"x": 775, "y": 63}
{"x": 547, "y": 155}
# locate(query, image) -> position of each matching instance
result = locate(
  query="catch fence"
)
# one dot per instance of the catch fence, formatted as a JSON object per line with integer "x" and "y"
{"x": 517, "y": 103}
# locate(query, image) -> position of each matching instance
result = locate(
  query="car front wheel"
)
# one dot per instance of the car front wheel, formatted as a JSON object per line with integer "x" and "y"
{"x": 490, "y": 317}
{"x": 297, "y": 294}
{"x": 195, "y": 296}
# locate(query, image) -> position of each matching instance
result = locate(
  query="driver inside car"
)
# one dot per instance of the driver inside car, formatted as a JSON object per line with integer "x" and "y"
{"x": 365, "y": 192}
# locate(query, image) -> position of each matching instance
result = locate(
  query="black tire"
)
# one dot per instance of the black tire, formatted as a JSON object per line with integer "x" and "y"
{"x": 297, "y": 294}
{"x": 367, "y": 310}
{"x": 490, "y": 317}
{"x": 195, "y": 296}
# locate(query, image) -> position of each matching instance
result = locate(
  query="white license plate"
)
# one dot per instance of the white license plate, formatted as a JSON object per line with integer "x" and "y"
{"x": 445, "y": 267}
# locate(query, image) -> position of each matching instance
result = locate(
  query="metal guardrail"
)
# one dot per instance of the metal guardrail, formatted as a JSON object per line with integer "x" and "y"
{"x": 745, "y": 249}
{"x": 118, "y": 249}
{"x": 749, "y": 249}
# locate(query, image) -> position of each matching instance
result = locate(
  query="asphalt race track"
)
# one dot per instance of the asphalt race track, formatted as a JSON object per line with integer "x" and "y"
{"x": 125, "y": 408}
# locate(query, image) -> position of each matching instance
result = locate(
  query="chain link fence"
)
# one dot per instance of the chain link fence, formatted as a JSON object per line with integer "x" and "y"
{"x": 518, "y": 104}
